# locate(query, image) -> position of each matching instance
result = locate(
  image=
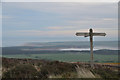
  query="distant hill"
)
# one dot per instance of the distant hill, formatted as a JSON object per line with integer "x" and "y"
{"x": 73, "y": 44}
{"x": 100, "y": 47}
{"x": 31, "y": 50}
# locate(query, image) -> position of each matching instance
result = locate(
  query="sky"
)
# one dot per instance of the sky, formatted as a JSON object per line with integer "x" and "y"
{"x": 24, "y": 22}
{"x": 59, "y": 0}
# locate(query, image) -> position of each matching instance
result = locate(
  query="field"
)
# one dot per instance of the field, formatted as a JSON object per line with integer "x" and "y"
{"x": 69, "y": 57}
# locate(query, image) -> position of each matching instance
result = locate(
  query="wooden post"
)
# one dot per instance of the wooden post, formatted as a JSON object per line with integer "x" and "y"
{"x": 91, "y": 47}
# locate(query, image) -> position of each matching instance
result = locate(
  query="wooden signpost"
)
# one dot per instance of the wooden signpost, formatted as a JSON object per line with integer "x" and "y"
{"x": 90, "y": 34}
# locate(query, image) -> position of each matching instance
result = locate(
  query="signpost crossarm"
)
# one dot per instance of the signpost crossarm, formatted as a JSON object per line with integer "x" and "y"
{"x": 99, "y": 34}
{"x": 82, "y": 34}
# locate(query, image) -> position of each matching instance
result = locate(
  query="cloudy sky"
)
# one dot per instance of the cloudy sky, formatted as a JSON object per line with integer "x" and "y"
{"x": 51, "y": 21}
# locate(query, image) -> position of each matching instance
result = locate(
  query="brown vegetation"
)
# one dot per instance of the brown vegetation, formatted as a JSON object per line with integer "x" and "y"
{"x": 33, "y": 68}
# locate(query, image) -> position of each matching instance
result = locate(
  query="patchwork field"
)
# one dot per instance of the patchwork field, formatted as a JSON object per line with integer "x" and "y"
{"x": 68, "y": 57}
